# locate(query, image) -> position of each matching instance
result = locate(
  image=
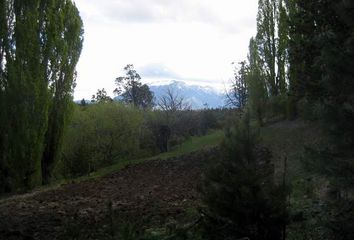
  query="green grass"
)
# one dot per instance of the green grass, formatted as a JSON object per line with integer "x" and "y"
{"x": 193, "y": 144}
{"x": 190, "y": 145}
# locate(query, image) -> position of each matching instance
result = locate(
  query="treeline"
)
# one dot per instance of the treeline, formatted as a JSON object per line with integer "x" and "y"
{"x": 42, "y": 131}
{"x": 322, "y": 62}
{"x": 40, "y": 44}
{"x": 109, "y": 132}
{"x": 300, "y": 65}
{"x": 299, "y": 60}
{"x": 135, "y": 125}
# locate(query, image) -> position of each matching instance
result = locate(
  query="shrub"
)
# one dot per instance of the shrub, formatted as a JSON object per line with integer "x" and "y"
{"x": 99, "y": 135}
{"x": 310, "y": 111}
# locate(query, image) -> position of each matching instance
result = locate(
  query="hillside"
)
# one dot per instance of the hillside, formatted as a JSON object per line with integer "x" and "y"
{"x": 150, "y": 194}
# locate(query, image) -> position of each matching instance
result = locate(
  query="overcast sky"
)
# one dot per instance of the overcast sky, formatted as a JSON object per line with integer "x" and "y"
{"x": 190, "y": 40}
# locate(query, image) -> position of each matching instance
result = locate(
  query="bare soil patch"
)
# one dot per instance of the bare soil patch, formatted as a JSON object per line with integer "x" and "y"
{"x": 148, "y": 194}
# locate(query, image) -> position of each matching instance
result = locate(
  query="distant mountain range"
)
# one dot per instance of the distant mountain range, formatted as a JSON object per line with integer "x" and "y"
{"x": 197, "y": 96}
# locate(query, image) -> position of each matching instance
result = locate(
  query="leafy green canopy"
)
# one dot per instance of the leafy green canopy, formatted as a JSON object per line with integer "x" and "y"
{"x": 98, "y": 136}
{"x": 40, "y": 45}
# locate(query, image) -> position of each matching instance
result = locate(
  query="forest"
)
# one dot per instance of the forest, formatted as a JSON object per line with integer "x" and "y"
{"x": 276, "y": 163}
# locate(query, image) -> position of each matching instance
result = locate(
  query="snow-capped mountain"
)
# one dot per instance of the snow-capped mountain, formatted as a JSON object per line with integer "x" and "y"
{"x": 196, "y": 96}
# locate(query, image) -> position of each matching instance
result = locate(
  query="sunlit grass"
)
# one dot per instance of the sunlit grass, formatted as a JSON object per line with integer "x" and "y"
{"x": 193, "y": 144}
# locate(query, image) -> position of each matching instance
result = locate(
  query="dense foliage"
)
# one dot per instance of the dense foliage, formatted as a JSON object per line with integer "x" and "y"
{"x": 40, "y": 44}
{"x": 98, "y": 136}
{"x": 300, "y": 64}
{"x": 325, "y": 30}
{"x": 107, "y": 132}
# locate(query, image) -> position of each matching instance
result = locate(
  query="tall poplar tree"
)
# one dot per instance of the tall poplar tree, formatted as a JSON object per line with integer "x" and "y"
{"x": 63, "y": 30}
{"x": 272, "y": 41}
{"x": 282, "y": 47}
{"x": 26, "y": 95}
{"x": 256, "y": 84}
{"x": 266, "y": 40}
{"x": 40, "y": 45}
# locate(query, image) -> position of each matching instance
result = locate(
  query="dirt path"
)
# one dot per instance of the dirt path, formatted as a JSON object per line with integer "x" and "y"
{"x": 151, "y": 193}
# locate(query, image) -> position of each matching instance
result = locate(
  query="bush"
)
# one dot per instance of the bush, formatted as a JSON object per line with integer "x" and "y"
{"x": 207, "y": 121}
{"x": 99, "y": 135}
{"x": 165, "y": 129}
{"x": 310, "y": 111}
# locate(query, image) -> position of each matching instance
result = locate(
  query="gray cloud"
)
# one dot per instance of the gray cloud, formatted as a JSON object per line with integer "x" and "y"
{"x": 159, "y": 11}
{"x": 135, "y": 11}
{"x": 157, "y": 70}
{"x": 160, "y": 71}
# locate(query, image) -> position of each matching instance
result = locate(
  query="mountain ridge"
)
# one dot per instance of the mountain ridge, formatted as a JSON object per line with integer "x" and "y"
{"x": 197, "y": 96}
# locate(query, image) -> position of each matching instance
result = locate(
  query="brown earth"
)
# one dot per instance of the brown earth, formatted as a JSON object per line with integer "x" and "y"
{"x": 148, "y": 194}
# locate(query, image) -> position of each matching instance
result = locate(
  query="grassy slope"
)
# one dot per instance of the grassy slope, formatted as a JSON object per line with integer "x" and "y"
{"x": 191, "y": 145}
{"x": 286, "y": 140}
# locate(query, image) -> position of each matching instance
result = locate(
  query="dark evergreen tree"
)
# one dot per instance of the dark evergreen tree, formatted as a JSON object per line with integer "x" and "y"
{"x": 239, "y": 190}
{"x": 304, "y": 51}
{"x": 322, "y": 56}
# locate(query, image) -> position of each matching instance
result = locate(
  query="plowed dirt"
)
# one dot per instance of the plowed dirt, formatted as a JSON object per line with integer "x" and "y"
{"x": 148, "y": 194}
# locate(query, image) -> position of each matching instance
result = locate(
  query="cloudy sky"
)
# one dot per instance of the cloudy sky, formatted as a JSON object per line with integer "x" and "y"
{"x": 190, "y": 40}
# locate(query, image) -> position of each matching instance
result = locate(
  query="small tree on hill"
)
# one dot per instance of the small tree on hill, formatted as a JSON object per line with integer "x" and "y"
{"x": 101, "y": 96}
{"x": 172, "y": 104}
{"x": 132, "y": 91}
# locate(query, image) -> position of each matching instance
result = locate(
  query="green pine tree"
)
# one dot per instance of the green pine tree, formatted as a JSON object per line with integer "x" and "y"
{"x": 239, "y": 190}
